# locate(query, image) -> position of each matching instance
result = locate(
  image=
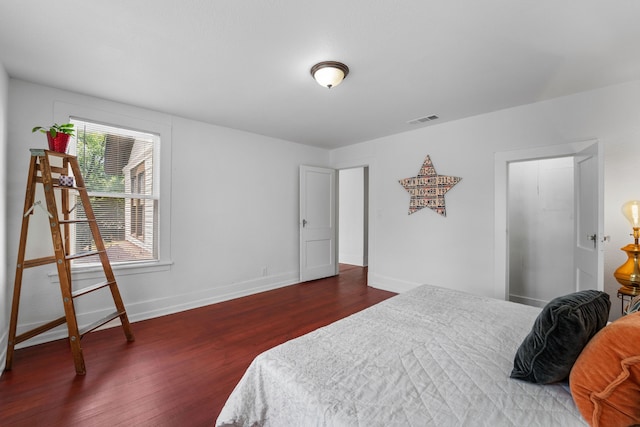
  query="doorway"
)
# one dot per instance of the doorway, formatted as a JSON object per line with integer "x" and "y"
{"x": 588, "y": 231}
{"x": 353, "y": 216}
{"x": 320, "y": 223}
{"x": 540, "y": 205}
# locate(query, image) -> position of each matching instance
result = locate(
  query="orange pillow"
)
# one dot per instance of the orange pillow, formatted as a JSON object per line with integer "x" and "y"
{"x": 605, "y": 380}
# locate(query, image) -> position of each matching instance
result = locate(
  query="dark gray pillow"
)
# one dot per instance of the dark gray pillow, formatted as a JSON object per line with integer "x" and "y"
{"x": 559, "y": 334}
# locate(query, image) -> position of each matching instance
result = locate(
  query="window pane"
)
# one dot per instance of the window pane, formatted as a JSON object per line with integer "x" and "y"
{"x": 109, "y": 213}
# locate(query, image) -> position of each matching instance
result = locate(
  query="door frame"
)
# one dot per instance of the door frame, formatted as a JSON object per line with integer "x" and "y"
{"x": 365, "y": 202}
{"x": 501, "y": 166}
{"x": 369, "y": 163}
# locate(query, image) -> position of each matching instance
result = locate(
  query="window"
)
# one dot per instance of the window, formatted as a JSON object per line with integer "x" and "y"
{"x": 117, "y": 166}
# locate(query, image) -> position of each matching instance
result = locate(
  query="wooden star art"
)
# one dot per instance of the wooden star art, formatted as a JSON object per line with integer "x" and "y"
{"x": 428, "y": 189}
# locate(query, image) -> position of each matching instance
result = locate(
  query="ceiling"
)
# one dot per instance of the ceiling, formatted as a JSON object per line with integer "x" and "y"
{"x": 245, "y": 64}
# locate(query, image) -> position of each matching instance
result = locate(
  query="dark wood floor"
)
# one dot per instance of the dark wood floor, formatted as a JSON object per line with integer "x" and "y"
{"x": 181, "y": 368}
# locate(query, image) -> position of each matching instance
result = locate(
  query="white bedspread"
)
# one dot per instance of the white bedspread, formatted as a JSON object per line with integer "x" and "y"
{"x": 428, "y": 357}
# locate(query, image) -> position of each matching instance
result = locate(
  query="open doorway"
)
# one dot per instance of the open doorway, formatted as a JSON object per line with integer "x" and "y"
{"x": 540, "y": 205}
{"x": 334, "y": 220}
{"x": 587, "y": 258}
{"x": 353, "y": 214}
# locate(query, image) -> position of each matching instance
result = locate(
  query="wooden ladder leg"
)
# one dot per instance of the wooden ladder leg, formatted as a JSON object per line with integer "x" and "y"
{"x": 124, "y": 319}
{"x": 17, "y": 286}
{"x": 104, "y": 257}
{"x": 74, "y": 333}
{"x": 64, "y": 271}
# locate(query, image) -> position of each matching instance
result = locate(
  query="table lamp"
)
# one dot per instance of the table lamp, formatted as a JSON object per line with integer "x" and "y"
{"x": 628, "y": 274}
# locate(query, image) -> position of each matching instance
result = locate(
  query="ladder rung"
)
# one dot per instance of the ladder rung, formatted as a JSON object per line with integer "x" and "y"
{"x": 59, "y": 170}
{"x": 59, "y": 154}
{"x": 42, "y": 152}
{"x": 64, "y": 187}
{"x": 91, "y": 288}
{"x": 82, "y": 254}
{"x": 38, "y": 261}
{"x": 58, "y": 186}
{"x": 101, "y": 322}
{"x": 40, "y": 329}
{"x": 54, "y": 169}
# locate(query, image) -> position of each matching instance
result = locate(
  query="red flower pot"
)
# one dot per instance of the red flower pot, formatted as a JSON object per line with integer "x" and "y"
{"x": 59, "y": 143}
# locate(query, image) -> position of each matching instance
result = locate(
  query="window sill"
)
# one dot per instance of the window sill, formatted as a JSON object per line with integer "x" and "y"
{"x": 96, "y": 271}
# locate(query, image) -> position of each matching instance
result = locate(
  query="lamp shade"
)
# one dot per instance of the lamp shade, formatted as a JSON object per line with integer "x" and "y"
{"x": 329, "y": 73}
{"x": 631, "y": 211}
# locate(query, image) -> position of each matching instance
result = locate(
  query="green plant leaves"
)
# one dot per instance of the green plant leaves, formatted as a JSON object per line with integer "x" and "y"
{"x": 55, "y": 129}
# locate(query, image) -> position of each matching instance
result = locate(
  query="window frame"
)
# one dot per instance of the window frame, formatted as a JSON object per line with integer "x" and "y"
{"x": 137, "y": 204}
{"x": 143, "y": 121}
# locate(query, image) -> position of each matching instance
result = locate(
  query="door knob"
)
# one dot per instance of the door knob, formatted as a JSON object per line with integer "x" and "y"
{"x": 304, "y": 223}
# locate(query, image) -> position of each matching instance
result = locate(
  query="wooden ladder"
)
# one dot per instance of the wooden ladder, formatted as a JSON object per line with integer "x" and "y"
{"x": 42, "y": 171}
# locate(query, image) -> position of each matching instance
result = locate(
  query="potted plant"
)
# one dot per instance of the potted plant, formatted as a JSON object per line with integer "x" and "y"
{"x": 57, "y": 135}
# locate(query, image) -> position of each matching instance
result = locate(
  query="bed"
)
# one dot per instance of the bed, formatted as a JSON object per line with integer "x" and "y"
{"x": 428, "y": 357}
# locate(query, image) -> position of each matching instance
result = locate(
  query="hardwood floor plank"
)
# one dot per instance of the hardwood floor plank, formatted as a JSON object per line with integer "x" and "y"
{"x": 181, "y": 368}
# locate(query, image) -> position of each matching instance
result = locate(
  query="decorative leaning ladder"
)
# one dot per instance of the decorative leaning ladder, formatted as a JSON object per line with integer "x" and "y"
{"x": 42, "y": 171}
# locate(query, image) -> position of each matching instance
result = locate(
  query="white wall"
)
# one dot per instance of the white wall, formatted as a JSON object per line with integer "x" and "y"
{"x": 5, "y": 292}
{"x": 234, "y": 213}
{"x": 457, "y": 251}
{"x": 235, "y": 199}
{"x": 351, "y": 206}
{"x": 541, "y": 230}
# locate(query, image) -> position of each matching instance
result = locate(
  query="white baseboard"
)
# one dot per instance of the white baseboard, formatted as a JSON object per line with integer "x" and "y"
{"x": 163, "y": 306}
{"x": 351, "y": 259}
{"x": 4, "y": 339}
{"x": 528, "y": 300}
{"x": 390, "y": 284}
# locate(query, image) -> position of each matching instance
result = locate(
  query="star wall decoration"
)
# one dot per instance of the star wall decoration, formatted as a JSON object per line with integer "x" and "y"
{"x": 427, "y": 189}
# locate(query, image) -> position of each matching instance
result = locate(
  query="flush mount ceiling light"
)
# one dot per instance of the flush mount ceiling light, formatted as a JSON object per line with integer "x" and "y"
{"x": 329, "y": 73}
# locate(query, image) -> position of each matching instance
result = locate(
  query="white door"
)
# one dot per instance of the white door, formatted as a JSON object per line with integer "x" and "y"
{"x": 318, "y": 251}
{"x": 589, "y": 247}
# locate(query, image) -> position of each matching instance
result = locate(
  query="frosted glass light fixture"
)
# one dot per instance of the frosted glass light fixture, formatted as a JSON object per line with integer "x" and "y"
{"x": 329, "y": 73}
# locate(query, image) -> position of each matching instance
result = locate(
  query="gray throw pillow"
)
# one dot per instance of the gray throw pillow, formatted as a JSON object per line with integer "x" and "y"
{"x": 559, "y": 334}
